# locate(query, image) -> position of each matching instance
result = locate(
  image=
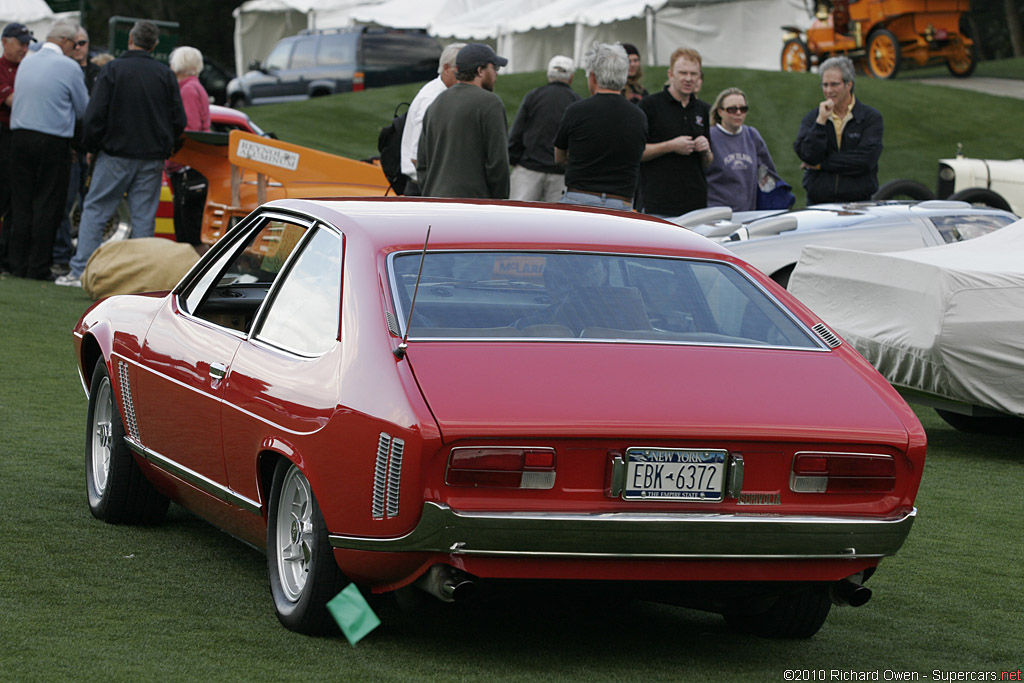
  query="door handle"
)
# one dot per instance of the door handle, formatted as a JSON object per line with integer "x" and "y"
{"x": 218, "y": 371}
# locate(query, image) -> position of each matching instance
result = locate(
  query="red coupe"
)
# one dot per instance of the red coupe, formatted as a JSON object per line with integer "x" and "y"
{"x": 426, "y": 394}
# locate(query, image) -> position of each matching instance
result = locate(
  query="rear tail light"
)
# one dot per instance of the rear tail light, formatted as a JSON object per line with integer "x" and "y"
{"x": 843, "y": 473}
{"x": 358, "y": 82}
{"x": 501, "y": 467}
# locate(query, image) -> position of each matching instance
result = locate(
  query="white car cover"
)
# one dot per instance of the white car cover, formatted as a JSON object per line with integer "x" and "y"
{"x": 947, "y": 320}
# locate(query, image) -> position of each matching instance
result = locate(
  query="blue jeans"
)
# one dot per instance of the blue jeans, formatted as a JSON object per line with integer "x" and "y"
{"x": 138, "y": 181}
{"x": 594, "y": 200}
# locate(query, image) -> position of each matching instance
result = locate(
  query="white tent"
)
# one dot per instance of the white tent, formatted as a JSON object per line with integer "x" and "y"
{"x": 35, "y": 14}
{"x": 733, "y": 33}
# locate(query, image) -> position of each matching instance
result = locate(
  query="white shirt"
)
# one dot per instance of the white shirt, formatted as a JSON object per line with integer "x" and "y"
{"x": 414, "y": 123}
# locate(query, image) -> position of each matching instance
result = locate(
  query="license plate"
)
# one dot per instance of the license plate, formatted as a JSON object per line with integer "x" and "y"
{"x": 675, "y": 474}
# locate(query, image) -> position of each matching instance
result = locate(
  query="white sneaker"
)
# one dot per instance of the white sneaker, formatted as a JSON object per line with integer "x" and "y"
{"x": 68, "y": 280}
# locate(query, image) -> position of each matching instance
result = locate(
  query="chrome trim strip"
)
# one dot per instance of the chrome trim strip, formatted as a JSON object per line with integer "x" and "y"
{"x": 196, "y": 479}
{"x": 654, "y": 535}
{"x": 395, "y": 476}
{"x": 380, "y": 481}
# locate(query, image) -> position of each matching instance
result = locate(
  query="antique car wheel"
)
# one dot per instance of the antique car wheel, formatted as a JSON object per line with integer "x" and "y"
{"x": 300, "y": 562}
{"x": 883, "y": 54}
{"x": 795, "y": 55}
{"x": 962, "y": 65}
{"x": 795, "y": 615}
{"x": 1000, "y": 425}
{"x": 903, "y": 189}
{"x": 979, "y": 195}
{"x": 118, "y": 491}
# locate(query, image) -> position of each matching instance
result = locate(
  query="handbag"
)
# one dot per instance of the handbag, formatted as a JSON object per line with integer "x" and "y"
{"x": 772, "y": 191}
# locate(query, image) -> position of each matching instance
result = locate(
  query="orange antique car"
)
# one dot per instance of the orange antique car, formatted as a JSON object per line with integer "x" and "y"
{"x": 245, "y": 170}
{"x": 880, "y": 34}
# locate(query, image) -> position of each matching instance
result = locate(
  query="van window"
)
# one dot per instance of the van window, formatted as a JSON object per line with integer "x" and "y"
{"x": 338, "y": 48}
{"x": 305, "y": 53}
{"x": 409, "y": 50}
{"x": 279, "y": 56}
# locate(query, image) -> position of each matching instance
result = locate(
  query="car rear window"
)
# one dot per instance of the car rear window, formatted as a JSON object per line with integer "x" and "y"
{"x": 612, "y": 297}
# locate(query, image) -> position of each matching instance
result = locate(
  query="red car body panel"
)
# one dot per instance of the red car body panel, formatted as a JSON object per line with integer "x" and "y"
{"x": 586, "y": 400}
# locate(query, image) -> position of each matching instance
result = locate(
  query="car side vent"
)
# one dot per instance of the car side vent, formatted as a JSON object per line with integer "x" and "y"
{"x": 130, "y": 425}
{"x": 392, "y": 323}
{"x": 387, "y": 477}
{"x": 828, "y": 336}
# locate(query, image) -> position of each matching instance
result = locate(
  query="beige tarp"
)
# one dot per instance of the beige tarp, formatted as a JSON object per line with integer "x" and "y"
{"x": 147, "y": 264}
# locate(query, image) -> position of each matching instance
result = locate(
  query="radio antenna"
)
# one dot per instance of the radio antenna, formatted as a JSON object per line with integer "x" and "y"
{"x": 400, "y": 351}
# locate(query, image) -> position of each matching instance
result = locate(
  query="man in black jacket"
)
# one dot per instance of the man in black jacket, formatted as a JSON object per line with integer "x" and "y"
{"x": 134, "y": 118}
{"x": 840, "y": 141}
{"x": 531, "y": 142}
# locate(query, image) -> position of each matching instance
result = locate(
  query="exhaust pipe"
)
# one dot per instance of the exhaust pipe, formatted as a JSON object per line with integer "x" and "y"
{"x": 847, "y": 592}
{"x": 446, "y": 583}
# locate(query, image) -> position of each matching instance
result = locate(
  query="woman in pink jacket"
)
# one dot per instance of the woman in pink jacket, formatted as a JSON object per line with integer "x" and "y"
{"x": 187, "y": 184}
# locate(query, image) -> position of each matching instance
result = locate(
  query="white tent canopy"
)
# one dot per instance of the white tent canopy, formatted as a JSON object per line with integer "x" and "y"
{"x": 35, "y": 14}
{"x": 733, "y": 33}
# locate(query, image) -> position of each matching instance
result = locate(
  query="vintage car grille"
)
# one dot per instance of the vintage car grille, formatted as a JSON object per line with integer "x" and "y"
{"x": 130, "y": 425}
{"x": 387, "y": 477}
{"x": 827, "y": 335}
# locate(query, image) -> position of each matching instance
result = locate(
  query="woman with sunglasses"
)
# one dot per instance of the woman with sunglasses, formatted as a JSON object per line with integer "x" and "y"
{"x": 739, "y": 152}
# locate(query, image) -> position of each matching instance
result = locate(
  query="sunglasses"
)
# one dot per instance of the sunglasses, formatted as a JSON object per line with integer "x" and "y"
{"x": 737, "y": 110}
{"x": 80, "y": 43}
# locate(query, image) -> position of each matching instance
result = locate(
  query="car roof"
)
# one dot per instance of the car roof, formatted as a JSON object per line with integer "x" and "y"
{"x": 398, "y": 223}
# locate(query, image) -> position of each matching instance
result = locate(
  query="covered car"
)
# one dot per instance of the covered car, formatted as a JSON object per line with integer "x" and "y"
{"x": 944, "y": 325}
{"x": 771, "y": 241}
{"x": 432, "y": 395}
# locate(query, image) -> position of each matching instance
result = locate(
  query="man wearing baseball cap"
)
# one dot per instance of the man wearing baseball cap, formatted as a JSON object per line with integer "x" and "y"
{"x": 16, "y": 38}
{"x": 531, "y": 142}
{"x": 463, "y": 149}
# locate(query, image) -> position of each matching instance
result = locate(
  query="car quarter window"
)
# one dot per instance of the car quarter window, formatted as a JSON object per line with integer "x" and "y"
{"x": 304, "y": 313}
{"x": 230, "y": 291}
{"x": 955, "y": 228}
{"x": 610, "y": 297}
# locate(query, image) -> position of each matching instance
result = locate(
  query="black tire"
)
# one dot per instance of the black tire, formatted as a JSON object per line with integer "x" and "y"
{"x": 782, "y": 275}
{"x": 999, "y": 425}
{"x": 303, "y": 573}
{"x": 118, "y": 492}
{"x": 903, "y": 189}
{"x": 963, "y": 65}
{"x": 237, "y": 101}
{"x": 979, "y": 195}
{"x": 883, "y": 54}
{"x": 791, "y": 616}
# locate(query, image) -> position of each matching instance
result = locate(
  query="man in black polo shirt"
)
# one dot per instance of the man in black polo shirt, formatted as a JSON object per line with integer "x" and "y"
{"x": 602, "y": 138}
{"x": 678, "y": 150}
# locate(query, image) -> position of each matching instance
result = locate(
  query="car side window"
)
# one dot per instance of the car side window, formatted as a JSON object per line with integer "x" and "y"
{"x": 305, "y": 53}
{"x": 337, "y": 49}
{"x": 955, "y": 228}
{"x": 230, "y": 292}
{"x": 304, "y": 314}
{"x": 400, "y": 49}
{"x": 279, "y": 56}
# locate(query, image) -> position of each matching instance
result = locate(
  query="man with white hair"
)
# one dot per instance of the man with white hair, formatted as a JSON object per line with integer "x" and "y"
{"x": 418, "y": 109}
{"x": 602, "y": 138}
{"x": 50, "y": 96}
{"x": 531, "y": 142}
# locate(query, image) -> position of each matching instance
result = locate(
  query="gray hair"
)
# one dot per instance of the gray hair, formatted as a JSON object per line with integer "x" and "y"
{"x": 62, "y": 29}
{"x": 844, "y": 65}
{"x": 144, "y": 35}
{"x": 448, "y": 57}
{"x": 186, "y": 61}
{"x": 609, "y": 64}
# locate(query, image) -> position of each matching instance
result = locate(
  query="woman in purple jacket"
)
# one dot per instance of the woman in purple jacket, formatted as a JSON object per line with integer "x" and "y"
{"x": 740, "y": 152}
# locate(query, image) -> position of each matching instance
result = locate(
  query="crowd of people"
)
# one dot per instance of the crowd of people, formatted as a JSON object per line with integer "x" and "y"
{"x": 99, "y": 131}
{"x": 93, "y": 132}
{"x": 664, "y": 153}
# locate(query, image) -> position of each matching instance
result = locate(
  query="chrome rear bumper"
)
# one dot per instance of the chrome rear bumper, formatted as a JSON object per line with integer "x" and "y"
{"x": 642, "y": 535}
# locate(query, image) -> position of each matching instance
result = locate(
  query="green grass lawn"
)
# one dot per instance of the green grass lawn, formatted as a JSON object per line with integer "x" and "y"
{"x": 83, "y": 600}
{"x": 923, "y": 123}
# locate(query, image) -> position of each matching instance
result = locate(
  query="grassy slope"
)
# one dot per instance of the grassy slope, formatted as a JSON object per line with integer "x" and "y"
{"x": 923, "y": 123}
{"x": 84, "y": 600}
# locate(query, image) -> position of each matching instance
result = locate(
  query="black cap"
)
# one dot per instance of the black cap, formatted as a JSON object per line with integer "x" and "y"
{"x": 19, "y": 31}
{"x": 476, "y": 55}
